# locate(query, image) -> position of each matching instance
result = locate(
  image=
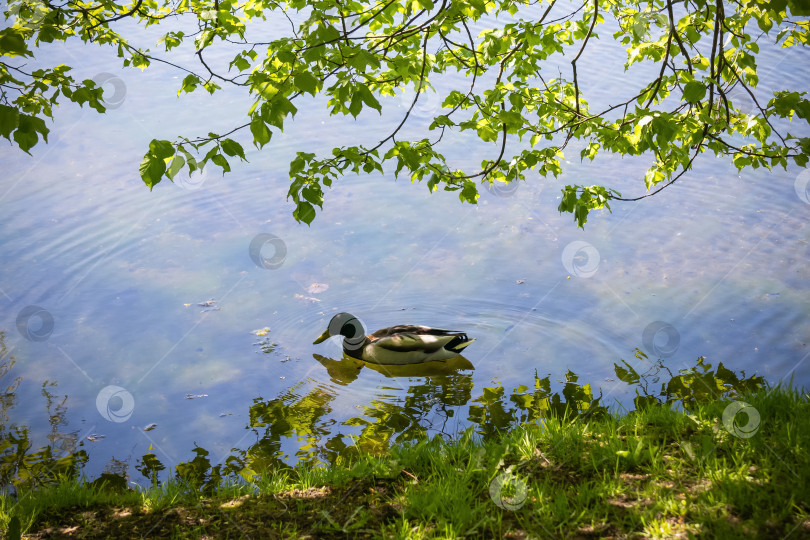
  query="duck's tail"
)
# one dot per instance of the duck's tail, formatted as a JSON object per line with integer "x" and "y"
{"x": 458, "y": 343}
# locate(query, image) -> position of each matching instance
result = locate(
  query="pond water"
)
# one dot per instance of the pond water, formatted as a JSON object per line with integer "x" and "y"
{"x": 156, "y": 302}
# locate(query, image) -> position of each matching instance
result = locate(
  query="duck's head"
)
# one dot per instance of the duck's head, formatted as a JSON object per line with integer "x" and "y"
{"x": 348, "y": 326}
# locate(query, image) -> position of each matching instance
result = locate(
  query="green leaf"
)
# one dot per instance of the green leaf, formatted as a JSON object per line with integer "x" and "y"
{"x": 192, "y": 163}
{"x": 240, "y": 62}
{"x": 297, "y": 165}
{"x": 469, "y": 193}
{"x": 152, "y": 170}
{"x": 274, "y": 112}
{"x": 9, "y": 120}
{"x": 285, "y": 56}
{"x": 189, "y": 84}
{"x": 26, "y": 134}
{"x": 313, "y": 194}
{"x": 175, "y": 166}
{"x": 304, "y": 212}
{"x": 220, "y": 160}
{"x": 153, "y": 165}
{"x": 327, "y": 34}
{"x": 799, "y": 7}
{"x": 368, "y": 98}
{"x": 261, "y": 135}
{"x": 694, "y": 91}
{"x": 639, "y": 26}
{"x": 12, "y": 43}
{"x": 306, "y": 82}
{"x": 233, "y": 148}
{"x": 356, "y": 105}
{"x": 362, "y": 60}
{"x": 161, "y": 149}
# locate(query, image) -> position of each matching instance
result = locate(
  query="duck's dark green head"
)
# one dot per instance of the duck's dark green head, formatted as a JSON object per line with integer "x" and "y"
{"x": 346, "y": 325}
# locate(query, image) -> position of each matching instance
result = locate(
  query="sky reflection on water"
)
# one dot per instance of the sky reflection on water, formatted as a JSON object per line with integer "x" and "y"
{"x": 720, "y": 257}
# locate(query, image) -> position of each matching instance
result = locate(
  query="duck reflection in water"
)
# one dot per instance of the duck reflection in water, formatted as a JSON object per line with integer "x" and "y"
{"x": 347, "y": 369}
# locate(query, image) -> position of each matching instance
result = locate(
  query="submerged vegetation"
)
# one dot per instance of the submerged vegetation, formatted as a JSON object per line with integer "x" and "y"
{"x": 706, "y": 453}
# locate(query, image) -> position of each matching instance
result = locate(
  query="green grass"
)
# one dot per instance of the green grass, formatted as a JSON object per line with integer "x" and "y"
{"x": 654, "y": 473}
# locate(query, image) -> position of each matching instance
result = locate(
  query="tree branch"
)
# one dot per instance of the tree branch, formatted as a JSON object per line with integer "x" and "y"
{"x": 584, "y": 43}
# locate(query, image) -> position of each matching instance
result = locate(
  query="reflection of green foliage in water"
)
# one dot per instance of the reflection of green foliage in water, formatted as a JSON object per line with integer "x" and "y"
{"x": 429, "y": 404}
{"x": 381, "y": 423}
{"x": 492, "y": 415}
{"x": 19, "y": 466}
{"x": 150, "y": 466}
{"x": 694, "y": 385}
{"x": 282, "y": 418}
{"x": 199, "y": 474}
{"x": 409, "y": 421}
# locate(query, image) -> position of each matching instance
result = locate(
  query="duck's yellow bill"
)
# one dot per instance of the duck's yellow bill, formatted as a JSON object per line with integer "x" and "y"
{"x": 326, "y": 335}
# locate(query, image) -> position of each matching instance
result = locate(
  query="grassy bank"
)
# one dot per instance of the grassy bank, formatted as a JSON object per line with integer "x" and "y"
{"x": 652, "y": 473}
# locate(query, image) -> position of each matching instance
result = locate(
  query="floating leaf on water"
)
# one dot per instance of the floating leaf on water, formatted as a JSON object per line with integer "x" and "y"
{"x": 302, "y": 297}
{"x": 187, "y": 305}
{"x": 195, "y": 396}
{"x": 261, "y": 331}
{"x": 150, "y": 427}
{"x": 225, "y": 414}
{"x": 316, "y": 288}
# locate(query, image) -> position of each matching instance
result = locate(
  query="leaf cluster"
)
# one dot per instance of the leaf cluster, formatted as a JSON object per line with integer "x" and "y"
{"x": 520, "y": 103}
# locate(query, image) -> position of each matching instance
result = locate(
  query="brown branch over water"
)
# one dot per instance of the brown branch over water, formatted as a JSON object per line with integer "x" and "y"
{"x": 582, "y": 49}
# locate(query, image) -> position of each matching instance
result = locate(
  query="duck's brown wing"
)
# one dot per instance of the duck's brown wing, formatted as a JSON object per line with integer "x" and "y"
{"x": 412, "y": 329}
{"x": 407, "y": 342}
{"x": 404, "y": 338}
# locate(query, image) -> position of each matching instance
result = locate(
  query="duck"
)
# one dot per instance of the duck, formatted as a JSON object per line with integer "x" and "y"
{"x": 396, "y": 345}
